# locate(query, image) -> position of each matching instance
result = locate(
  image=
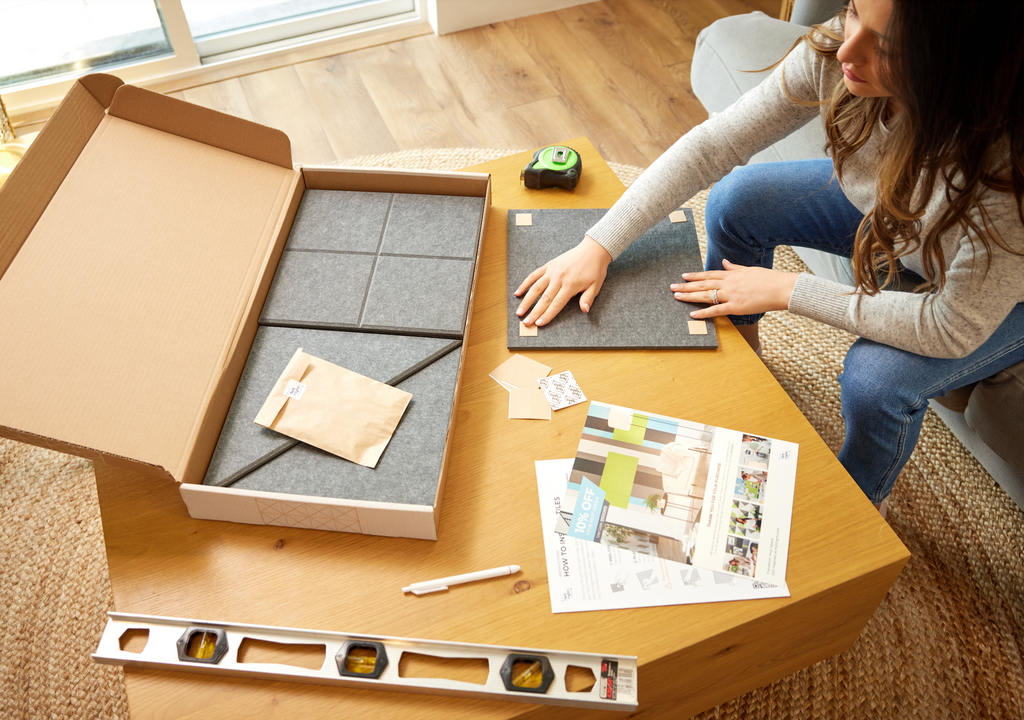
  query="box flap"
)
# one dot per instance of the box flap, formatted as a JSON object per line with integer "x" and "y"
{"x": 126, "y": 300}
{"x": 202, "y": 124}
{"x": 36, "y": 178}
{"x": 102, "y": 87}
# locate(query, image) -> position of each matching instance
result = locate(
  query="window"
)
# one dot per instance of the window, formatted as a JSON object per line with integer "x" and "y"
{"x": 49, "y": 43}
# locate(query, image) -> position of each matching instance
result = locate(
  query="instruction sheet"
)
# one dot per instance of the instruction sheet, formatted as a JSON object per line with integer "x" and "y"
{"x": 584, "y": 575}
{"x": 683, "y": 491}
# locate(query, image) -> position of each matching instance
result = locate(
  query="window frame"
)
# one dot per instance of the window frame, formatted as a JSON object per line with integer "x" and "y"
{"x": 186, "y": 60}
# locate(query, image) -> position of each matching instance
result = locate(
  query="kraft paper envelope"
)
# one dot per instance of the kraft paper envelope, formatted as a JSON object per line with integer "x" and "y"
{"x": 334, "y": 409}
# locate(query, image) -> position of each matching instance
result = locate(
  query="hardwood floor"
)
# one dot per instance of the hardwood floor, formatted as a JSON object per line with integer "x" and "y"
{"x": 616, "y": 71}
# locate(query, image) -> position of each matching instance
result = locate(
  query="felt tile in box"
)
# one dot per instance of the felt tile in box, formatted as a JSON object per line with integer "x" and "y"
{"x": 339, "y": 220}
{"x": 408, "y": 471}
{"x": 243, "y": 445}
{"x": 635, "y": 309}
{"x": 434, "y": 225}
{"x": 417, "y": 294}
{"x": 317, "y": 289}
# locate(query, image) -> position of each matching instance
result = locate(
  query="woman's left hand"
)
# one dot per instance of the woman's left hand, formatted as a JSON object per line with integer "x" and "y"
{"x": 739, "y": 290}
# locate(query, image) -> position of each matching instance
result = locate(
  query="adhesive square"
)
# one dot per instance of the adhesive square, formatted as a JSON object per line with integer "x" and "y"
{"x": 524, "y": 219}
{"x": 527, "y": 330}
{"x": 697, "y": 327}
{"x": 677, "y": 216}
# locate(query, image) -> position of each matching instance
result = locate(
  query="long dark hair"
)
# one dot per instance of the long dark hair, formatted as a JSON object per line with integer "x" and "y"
{"x": 956, "y": 70}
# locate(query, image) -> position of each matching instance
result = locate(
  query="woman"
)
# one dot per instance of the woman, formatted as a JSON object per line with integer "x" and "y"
{"x": 923, "y": 105}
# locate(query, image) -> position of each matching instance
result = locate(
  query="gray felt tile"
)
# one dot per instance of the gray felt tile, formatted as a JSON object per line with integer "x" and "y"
{"x": 421, "y": 295}
{"x": 381, "y": 357}
{"x": 408, "y": 471}
{"x": 433, "y": 225}
{"x": 340, "y": 221}
{"x": 635, "y": 308}
{"x": 318, "y": 289}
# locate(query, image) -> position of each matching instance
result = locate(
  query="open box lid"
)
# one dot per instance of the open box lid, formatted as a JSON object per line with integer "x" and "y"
{"x": 138, "y": 237}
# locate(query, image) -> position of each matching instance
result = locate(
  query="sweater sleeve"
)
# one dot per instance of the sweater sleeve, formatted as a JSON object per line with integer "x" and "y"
{"x": 951, "y": 323}
{"x": 761, "y": 117}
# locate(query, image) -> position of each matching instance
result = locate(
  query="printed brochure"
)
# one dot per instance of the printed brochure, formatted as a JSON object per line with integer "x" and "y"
{"x": 682, "y": 491}
{"x": 586, "y": 576}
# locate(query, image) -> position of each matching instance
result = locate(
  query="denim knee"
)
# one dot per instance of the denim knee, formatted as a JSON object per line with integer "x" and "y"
{"x": 734, "y": 206}
{"x": 883, "y": 415}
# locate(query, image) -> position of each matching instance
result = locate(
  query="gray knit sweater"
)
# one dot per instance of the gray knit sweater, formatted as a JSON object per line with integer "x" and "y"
{"x": 950, "y": 323}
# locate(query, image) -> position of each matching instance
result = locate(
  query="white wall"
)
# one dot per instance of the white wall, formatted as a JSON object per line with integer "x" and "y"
{"x": 448, "y": 16}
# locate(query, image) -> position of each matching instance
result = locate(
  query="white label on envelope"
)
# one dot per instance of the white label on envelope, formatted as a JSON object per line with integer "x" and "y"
{"x": 294, "y": 389}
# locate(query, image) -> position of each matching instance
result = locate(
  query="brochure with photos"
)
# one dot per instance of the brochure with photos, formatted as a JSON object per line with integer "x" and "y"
{"x": 682, "y": 491}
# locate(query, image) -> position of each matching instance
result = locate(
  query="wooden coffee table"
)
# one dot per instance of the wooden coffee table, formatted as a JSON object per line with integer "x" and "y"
{"x": 691, "y": 657}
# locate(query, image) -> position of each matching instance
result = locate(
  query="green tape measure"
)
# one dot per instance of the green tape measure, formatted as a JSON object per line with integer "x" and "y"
{"x": 553, "y": 166}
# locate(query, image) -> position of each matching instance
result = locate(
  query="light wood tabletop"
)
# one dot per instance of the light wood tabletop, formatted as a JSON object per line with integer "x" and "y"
{"x": 843, "y": 557}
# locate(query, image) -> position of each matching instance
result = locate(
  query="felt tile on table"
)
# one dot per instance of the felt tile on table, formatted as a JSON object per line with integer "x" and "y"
{"x": 636, "y": 308}
{"x": 433, "y": 225}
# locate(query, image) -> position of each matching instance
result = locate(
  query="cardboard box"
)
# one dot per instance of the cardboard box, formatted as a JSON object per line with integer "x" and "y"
{"x": 138, "y": 240}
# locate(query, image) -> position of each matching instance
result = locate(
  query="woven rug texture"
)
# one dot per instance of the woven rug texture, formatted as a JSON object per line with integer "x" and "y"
{"x": 945, "y": 643}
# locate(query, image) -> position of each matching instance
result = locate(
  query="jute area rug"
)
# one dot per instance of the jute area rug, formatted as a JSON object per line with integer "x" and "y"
{"x": 945, "y": 643}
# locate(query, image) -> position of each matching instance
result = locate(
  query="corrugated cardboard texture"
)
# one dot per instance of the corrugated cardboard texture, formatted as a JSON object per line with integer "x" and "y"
{"x": 209, "y": 127}
{"x": 33, "y": 183}
{"x": 120, "y": 309}
{"x": 635, "y": 309}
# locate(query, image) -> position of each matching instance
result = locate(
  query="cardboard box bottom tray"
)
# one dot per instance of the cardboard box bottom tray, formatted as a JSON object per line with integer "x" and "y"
{"x": 156, "y": 256}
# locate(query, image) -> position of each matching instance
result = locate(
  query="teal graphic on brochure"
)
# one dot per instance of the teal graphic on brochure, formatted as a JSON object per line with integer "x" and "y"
{"x": 591, "y": 510}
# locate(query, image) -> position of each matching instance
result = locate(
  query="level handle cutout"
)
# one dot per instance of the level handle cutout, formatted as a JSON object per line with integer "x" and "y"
{"x": 301, "y": 655}
{"x": 579, "y": 679}
{"x": 470, "y": 670}
{"x": 134, "y": 640}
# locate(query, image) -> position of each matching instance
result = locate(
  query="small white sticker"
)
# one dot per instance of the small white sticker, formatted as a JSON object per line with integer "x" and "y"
{"x": 294, "y": 389}
{"x": 562, "y": 390}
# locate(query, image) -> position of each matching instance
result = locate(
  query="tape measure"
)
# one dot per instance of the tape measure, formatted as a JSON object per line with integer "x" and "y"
{"x": 553, "y": 166}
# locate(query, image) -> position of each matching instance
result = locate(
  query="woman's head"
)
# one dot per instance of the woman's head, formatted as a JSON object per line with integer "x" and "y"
{"x": 946, "y": 77}
{"x": 863, "y": 51}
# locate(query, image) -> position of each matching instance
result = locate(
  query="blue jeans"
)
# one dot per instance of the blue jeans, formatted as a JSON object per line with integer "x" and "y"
{"x": 884, "y": 390}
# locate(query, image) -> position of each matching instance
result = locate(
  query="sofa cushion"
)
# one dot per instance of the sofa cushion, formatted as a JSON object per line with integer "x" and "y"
{"x": 994, "y": 413}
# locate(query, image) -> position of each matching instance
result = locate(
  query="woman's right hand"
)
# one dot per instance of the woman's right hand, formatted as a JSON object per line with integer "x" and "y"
{"x": 580, "y": 270}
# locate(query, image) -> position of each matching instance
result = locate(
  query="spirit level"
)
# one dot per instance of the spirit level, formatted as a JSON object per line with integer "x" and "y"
{"x": 363, "y": 661}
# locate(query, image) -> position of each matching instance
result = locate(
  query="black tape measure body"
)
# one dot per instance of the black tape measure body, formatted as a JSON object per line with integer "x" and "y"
{"x": 553, "y": 166}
